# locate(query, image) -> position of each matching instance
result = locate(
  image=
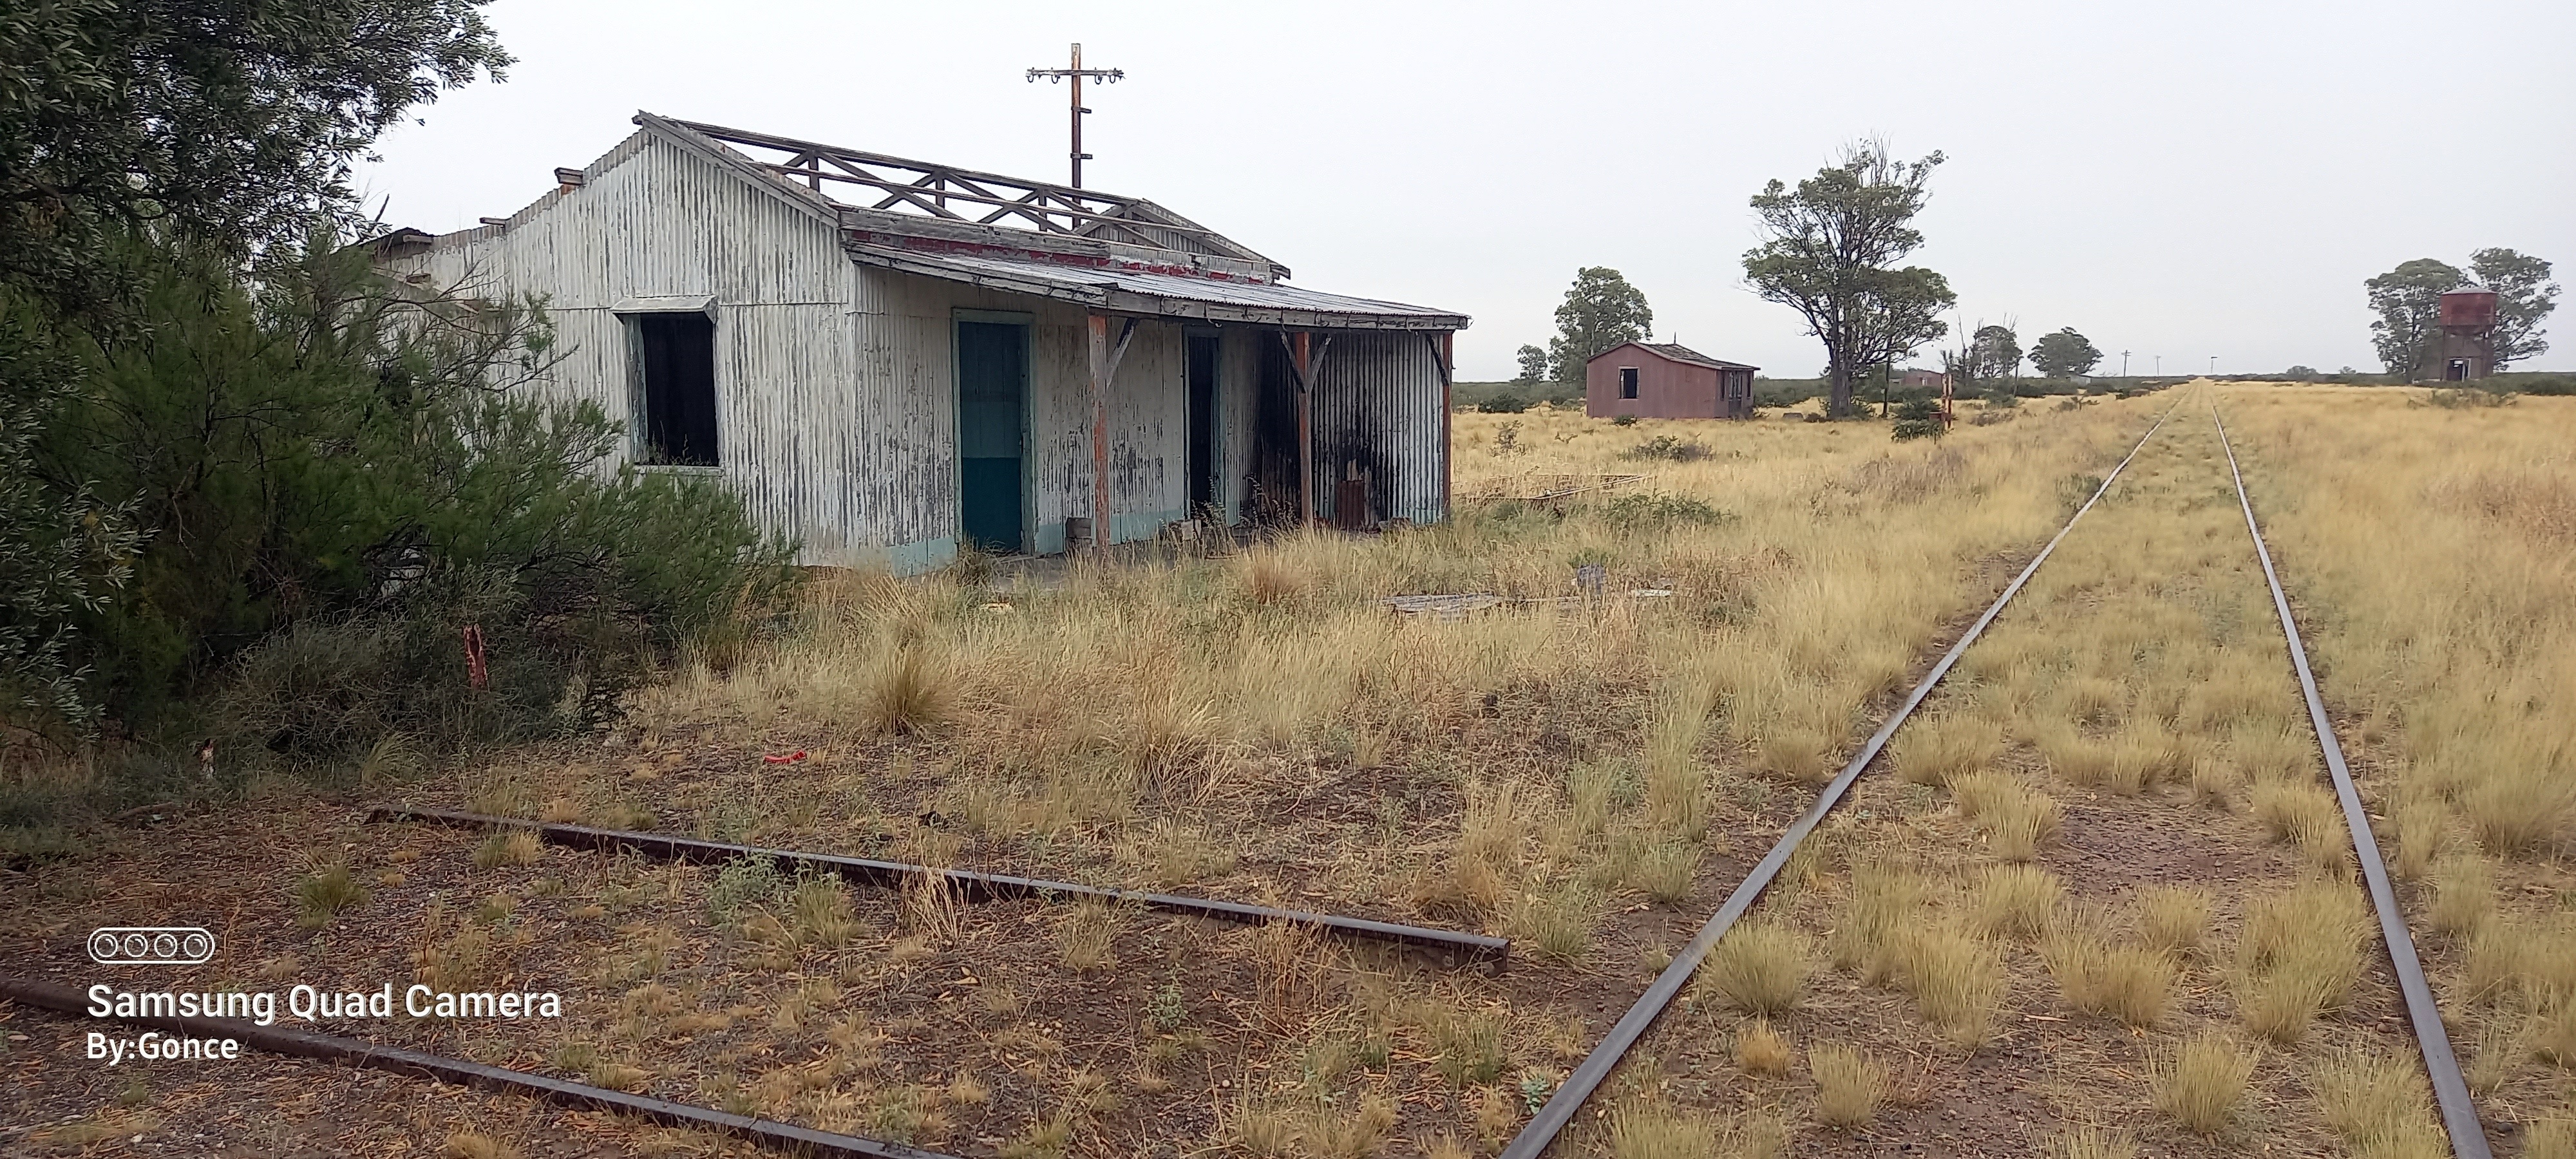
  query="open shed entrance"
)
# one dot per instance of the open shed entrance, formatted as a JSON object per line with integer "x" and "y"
{"x": 992, "y": 435}
{"x": 1203, "y": 425}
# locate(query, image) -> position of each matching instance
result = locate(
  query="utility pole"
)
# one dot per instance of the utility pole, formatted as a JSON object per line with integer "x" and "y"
{"x": 2160, "y": 366}
{"x": 1075, "y": 74}
{"x": 2213, "y": 366}
{"x": 2124, "y": 364}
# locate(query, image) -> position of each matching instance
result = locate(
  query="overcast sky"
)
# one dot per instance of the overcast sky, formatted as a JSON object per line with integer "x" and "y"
{"x": 2174, "y": 179}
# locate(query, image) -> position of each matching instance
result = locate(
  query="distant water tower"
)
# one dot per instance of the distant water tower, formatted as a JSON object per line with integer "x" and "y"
{"x": 2467, "y": 349}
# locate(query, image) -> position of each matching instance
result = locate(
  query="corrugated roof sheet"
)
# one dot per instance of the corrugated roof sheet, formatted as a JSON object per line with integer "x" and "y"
{"x": 1680, "y": 353}
{"x": 1173, "y": 295}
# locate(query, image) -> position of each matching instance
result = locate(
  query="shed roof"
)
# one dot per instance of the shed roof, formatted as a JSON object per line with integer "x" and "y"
{"x": 1677, "y": 352}
{"x": 1106, "y": 251}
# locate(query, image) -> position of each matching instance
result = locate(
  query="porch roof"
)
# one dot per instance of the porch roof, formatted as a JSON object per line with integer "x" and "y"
{"x": 1108, "y": 287}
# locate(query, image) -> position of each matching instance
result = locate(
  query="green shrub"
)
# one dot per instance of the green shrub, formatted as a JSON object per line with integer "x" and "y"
{"x": 1653, "y": 509}
{"x": 1624, "y": 421}
{"x": 1505, "y": 403}
{"x": 335, "y": 486}
{"x": 1668, "y": 448}
{"x": 1918, "y": 419}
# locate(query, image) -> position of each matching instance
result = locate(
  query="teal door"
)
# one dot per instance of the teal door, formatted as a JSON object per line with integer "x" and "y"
{"x": 992, "y": 435}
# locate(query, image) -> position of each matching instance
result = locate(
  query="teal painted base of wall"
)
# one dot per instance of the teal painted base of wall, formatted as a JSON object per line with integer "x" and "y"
{"x": 904, "y": 558}
{"x": 1128, "y": 527}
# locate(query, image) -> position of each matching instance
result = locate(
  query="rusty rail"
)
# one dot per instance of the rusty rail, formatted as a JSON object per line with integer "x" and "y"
{"x": 1595, "y": 1068}
{"x": 372, "y": 1056}
{"x": 972, "y": 885}
{"x": 2450, "y": 1088}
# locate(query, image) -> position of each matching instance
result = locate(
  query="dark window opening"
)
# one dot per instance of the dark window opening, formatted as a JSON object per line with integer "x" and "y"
{"x": 1627, "y": 382}
{"x": 1203, "y": 483}
{"x": 679, "y": 356}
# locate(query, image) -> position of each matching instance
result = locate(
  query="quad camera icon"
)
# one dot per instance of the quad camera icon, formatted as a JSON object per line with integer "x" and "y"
{"x": 150, "y": 945}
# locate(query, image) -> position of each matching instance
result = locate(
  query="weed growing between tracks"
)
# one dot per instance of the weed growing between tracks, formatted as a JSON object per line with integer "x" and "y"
{"x": 2431, "y": 554}
{"x": 2092, "y": 905}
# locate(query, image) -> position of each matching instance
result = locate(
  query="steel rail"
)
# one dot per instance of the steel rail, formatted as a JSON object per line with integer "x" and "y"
{"x": 2450, "y": 1088}
{"x": 372, "y": 1056}
{"x": 973, "y": 885}
{"x": 1596, "y": 1067}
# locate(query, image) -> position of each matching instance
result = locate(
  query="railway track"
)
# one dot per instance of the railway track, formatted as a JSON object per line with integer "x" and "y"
{"x": 2458, "y": 1114}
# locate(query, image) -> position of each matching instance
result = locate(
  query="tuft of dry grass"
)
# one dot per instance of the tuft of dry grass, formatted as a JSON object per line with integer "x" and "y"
{"x": 2131, "y": 983}
{"x": 1665, "y": 871}
{"x": 2018, "y": 826}
{"x": 2015, "y": 901}
{"x": 2378, "y": 1105}
{"x": 476, "y": 1145}
{"x": 1085, "y": 937}
{"x": 2423, "y": 835}
{"x": 1956, "y": 978}
{"x": 2173, "y": 919}
{"x": 1760, "y": 967}
{"x": 2214, "y": 782}
{"x": 1849, "y": 1085}
{"x": 1933, "y": 750}
{"x": 905, "y": 690}
{"x": 2091, "y": 1142}
{"x": 1761, "y": 1050}
{"x": 2521, "y": 809}
{"x": 1883, "y": 897}
{"x": 1797, "y": 754}
{"x": 2200, "y": 1082}
{"x": 2464, "y": 897}
{"x": 323, "y": 893}
{"x": 2551, "y": 1139}
{"x": 508, "y": 847}
{"x": 2304, "y": 816}
{"x": 2298, "y": 956}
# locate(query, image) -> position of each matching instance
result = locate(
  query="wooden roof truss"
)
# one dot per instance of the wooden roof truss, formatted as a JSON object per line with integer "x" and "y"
{"x": 967, "y": 197}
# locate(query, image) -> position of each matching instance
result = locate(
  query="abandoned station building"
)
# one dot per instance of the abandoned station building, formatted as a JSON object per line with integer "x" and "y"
{"x": 1664, "y": 380}
{"x": 889, "y": 358}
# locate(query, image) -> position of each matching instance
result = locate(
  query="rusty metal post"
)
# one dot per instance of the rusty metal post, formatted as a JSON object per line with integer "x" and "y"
{"x": 1100, "y": 372}
{"x": 1299, "y": 349}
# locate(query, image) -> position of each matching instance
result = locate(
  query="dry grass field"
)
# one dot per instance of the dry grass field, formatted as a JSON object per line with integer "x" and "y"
{"x": 2095, "y": 901}
{"x": 1587, "y": 777}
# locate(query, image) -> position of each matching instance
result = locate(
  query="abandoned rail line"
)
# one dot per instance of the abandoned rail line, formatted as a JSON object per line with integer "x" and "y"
{"x": 2441, "y": 1065}
{"x": 2459, "y": 1115}
{"x": 971, "y": 885}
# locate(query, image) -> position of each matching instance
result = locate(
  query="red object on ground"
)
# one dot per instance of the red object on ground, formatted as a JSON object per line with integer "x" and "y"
{"x": 783, "y": 758}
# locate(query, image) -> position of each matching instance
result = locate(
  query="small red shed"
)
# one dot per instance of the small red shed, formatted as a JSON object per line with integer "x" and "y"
{"x": 1663, "y": 380}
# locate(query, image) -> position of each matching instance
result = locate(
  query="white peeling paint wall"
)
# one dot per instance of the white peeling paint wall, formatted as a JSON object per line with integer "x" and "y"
{"x": 835, "y": 383}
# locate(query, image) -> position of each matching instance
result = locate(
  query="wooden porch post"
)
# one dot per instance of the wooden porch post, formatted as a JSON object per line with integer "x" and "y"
{"x": 1105, "y": 357}
{"x": 1299, "y": 351}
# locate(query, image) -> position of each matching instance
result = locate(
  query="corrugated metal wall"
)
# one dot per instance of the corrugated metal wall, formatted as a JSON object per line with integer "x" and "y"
{"x": 1377, "y": 405}
{"x": 836, "y": 382}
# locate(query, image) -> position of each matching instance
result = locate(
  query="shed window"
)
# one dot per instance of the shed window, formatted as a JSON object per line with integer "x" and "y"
{"x": 677, "y": 353}
{"x": 1627, "y": 382}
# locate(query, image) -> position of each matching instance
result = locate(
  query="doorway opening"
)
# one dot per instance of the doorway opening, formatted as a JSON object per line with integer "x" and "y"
{"x": 1204, "y": 494}
{"x": 992, "y": 436}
